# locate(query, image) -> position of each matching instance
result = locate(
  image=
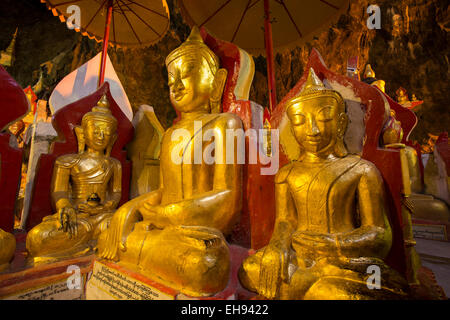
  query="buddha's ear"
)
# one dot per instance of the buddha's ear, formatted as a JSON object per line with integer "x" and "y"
{"x": 340, "y": 150}
{"x": 111, "y": 144}
{"x": 80, "y": 138}
{"x": 217, "y": 91}
{"x": 342, "y": 124}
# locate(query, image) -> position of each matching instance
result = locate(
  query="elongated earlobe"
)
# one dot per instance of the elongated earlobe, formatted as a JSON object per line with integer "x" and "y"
{"x": 218, "y": 86}
{"x": 342, "y": 125}
{"x": 80, "y": 138}
{"x": 110, "y": 146}
{"x": 340, "y": 150}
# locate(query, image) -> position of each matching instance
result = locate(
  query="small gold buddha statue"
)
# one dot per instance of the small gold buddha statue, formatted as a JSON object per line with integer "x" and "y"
{"x": 7, "y": 248}
{"x": 402, "y": 96}
{"x": 86, "y": 189}
{"x": 331, "y": 220}
{"x": 369, "y": 77}
{"x": 175, "y": 234}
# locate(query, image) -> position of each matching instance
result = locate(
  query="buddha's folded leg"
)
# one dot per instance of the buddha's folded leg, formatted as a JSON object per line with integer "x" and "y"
{"x": 48, "y": 240}
{"x": 249, "y": 271}
{"x": 429, "y": 208}
{"x": 194, "y": 260}
{"x": 338, "y": 283}
{"x": 300, "y": 282}
{"x": 334, "y": 288}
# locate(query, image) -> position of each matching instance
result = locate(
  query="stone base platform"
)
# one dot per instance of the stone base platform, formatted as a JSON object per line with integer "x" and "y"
{"x": 88, "y": 278}
{"x": 429, "y": 289}
{"x": 63, "y": 280}
{"x": 111, "y": 281}
{"x": 432, "y": 230}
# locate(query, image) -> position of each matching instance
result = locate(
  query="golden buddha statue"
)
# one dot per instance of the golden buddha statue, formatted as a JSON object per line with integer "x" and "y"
{"x": 402, "y": 96}
{"x": 424, "y": 206}
{"x": 86, "y": 189}
{"x": 369, "y": 77}
{"x": 174, "y": 234}
{"x": 331, "y": 220}
{"x": 7, "y": 248}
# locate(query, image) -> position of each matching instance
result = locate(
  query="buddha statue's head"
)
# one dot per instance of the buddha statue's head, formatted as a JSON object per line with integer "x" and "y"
{"x": 195, "y": 80}
{"x": 318, "y": 119}
{"x": 98, "y": 128}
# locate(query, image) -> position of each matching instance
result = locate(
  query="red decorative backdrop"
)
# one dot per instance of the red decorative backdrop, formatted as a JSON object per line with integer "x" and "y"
{"x": 13, "y": 105}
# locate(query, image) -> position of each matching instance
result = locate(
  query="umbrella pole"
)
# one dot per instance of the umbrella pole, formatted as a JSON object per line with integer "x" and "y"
{"x": 101, "y": 78}
{"x": 269, "y": 57}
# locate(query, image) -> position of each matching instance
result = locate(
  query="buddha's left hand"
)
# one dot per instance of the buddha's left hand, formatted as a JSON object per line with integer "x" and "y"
{"x": 85, "y": 208}
{"x": 317, "y": 242}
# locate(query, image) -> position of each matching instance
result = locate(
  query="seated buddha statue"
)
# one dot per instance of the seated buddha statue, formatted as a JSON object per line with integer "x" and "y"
{"x": 402, "y": 96}
{"x": 424, "y": 206}
{"x": 331, "y": 221}
{"x": 7, "y": 248}
{"x": 175, "y": 234}
{"x": 86, "y": 189}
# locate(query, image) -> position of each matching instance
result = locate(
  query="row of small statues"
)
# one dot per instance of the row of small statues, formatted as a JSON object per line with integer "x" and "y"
{"x": 331, "y": 219}
{"x": 425, "y": 206}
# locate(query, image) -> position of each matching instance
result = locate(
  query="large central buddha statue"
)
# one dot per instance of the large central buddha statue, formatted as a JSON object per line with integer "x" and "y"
{"x": 86, "y": 190}
{"x": 331, "y": 220}
{"x": 175, "y": 234}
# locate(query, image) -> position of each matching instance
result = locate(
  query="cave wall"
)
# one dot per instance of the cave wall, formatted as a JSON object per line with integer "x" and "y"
{"x": 410, "y": 50}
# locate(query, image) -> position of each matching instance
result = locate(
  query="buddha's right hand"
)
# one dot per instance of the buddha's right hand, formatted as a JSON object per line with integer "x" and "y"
{"x": 68, "y": 221}
{"x": 274, "y": 269}
{"x": 122, "y": 224}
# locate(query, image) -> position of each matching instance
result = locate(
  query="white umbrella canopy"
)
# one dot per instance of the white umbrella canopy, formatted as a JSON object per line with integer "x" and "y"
{"x": 133, "y": 22}
{"x": 83, "y": 81}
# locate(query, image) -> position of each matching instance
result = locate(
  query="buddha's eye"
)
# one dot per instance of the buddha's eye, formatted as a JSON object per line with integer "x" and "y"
{"x": 187, "y": 72}
{"x": 325, "y": 114}
{"x": 171, "y": 80}
{"x": 297, "y": 119}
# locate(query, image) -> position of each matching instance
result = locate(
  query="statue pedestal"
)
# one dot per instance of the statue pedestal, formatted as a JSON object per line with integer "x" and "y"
{"x": 111, "y": 281}
{"x": 63, "y": 280}
{"x": 432, "y": 230}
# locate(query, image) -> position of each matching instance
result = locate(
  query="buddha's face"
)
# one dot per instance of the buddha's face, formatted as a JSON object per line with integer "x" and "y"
{"x": 190, "y": 83}
{"x": 97, "y": 134}
{"x": 315, "y": 124}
